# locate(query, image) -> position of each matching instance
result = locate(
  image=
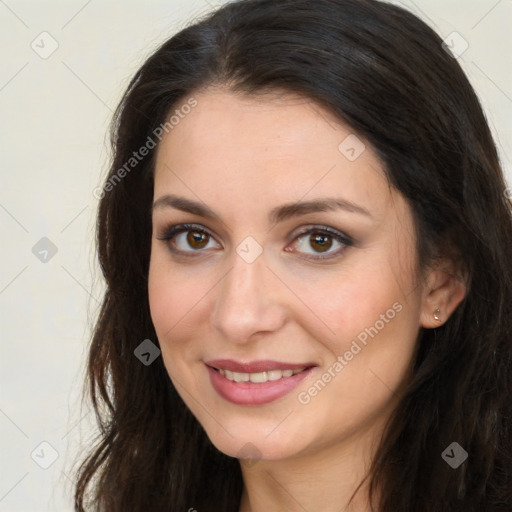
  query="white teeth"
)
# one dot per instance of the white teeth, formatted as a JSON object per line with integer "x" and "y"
{"x": 259, "y": 377}
{"x": 240, "y": 377}
{"x": 274, "y": 374}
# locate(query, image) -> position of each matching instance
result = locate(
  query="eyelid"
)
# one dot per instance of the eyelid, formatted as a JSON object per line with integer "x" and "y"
{"x": 313, "y": 228}
{"x": 172, "y": 231}
{"x": 339, "y": 236}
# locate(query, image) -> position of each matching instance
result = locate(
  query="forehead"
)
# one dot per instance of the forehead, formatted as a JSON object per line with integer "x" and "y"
{"x": 259, "y": 150}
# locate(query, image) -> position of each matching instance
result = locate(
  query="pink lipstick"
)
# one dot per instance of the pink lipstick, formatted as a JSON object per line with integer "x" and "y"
{"x": 255, "y": 383}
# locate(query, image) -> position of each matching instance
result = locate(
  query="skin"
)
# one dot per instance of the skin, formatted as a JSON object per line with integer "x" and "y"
{"x": 242, "y": 156}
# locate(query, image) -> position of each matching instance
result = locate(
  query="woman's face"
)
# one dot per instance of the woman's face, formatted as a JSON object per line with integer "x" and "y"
{"x": 300, "y": 260}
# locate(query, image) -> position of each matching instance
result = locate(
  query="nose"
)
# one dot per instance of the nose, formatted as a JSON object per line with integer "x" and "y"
{"x": 248, "y": 301}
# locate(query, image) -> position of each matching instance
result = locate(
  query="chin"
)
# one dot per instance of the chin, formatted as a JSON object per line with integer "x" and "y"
{"x": 247, "y": 441}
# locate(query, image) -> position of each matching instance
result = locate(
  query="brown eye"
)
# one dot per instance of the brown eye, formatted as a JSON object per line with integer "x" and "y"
{"x": 197, "y": 239}
{"x": 187, "y": 239}
{"x": 321, "y": 242}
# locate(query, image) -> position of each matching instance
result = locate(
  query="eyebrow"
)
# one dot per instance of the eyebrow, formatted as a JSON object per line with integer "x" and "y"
{"x": 276, "y": 215}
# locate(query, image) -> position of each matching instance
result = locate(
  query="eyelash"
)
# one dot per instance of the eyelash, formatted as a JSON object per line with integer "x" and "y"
{"x": 172, "y": 231}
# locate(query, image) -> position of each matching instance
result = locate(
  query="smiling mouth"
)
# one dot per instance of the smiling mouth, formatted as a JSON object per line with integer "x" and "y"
{"x": 258, "y": 377}
{"x": 257, "y": 382}
{"x": 257, "y": 372}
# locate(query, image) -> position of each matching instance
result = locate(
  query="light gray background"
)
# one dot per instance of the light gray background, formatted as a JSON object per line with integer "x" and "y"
{"x": 54, "y": 118}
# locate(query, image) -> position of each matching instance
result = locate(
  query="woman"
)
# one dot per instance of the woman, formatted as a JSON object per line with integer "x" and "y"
{"x": 306, "y": 237}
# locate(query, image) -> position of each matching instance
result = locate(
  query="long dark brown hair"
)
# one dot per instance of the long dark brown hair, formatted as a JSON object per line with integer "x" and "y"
{"x": 385, "y": 73}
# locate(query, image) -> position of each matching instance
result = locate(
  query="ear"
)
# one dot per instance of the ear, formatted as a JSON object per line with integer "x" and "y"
{"x": 444, "y": 290}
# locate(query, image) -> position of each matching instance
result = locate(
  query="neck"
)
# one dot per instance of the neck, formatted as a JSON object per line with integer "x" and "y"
{"x": 323, "y": 480}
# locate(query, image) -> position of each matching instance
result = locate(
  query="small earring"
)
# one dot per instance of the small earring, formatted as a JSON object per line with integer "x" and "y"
{"x": 437, "y": 312}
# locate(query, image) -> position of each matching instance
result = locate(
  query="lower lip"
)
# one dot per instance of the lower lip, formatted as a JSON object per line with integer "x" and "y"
{"x": 250, "y": 393}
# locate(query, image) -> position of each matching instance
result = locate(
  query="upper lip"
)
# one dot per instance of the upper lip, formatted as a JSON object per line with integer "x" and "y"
{"x": 255, "y": 366}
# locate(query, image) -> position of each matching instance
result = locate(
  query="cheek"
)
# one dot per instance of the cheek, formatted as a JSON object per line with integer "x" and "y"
{"x": 370, "y": 319}
{"x": 168, "y": 298}
{"x": 370, "y": 355}
{"x": 162, "y": 296}
{"x": 179, "y": 298}
{"x": 167, "y": 301}
{"x": 347, "y": 302}
{"x": 172, "y": 293}
{"x": 378, "y": 293}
